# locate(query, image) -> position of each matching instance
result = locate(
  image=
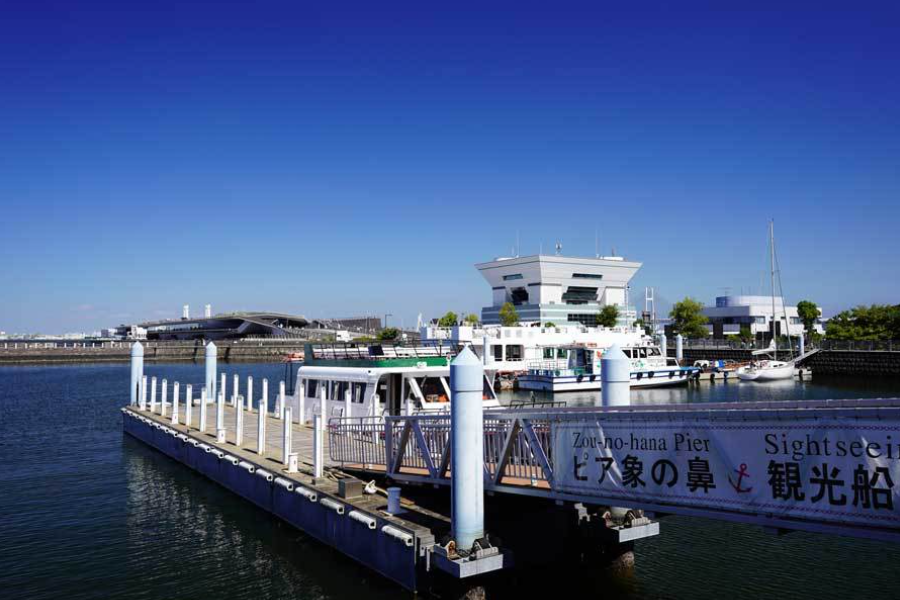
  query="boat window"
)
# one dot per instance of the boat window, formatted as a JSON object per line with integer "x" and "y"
{"x": 561, "y": 353}
{"x": 358, "y": 391}
{"x": 312, "y": 388}
{"x": 513, "y": 276}
{"x": 432, "y": 389}
{"x": 514, "y": 352}
{"x": 548, "y": 352}
{"x": 655, "y": 352}
{"x": 498, "y": 352}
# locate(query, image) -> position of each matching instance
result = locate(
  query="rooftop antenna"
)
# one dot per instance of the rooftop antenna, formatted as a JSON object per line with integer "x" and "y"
{"x": 517, "y": 243}
{"x": 541, "y": 251}
{"x": 614, "y": 251}
{"x": 558, "y": 248}
{"x": 596, "y": 244}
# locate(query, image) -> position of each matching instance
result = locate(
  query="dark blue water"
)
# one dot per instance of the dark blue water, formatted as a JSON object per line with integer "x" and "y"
{"x": 86, "y": 512}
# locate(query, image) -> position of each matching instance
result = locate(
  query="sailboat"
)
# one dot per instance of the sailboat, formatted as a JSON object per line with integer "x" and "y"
{"x": 771, "y": 369}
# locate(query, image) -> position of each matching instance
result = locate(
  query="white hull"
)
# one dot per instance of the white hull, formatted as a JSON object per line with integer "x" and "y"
{"x": 585, "y": 383}
{"x": 785, "y": 371}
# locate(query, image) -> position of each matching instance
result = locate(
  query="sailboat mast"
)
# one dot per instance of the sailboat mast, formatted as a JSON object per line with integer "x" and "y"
{"x": 772, "y": 259}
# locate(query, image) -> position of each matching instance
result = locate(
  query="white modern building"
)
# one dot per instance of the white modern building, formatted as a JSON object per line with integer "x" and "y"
{"x": 559, "y": 289}
{"x": 732, "y": 312}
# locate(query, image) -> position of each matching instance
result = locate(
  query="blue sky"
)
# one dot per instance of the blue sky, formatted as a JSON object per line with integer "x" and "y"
{"x": 335, "y": 159}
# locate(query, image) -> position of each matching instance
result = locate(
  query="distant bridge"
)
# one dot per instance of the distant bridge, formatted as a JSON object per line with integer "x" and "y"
{"x": 825, "y": 466}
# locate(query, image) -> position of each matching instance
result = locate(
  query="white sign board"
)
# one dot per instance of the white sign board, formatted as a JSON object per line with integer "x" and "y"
{"x": 845, "y": 470}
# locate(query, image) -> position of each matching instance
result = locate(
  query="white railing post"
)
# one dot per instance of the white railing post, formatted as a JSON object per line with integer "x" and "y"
{"x": 220, "y": 412}
{"x": 286, "y": 437}
{"x": 164, "y": 398}
{"x": 318, "y": 446}
{"x": 239, "y": 427}
{"x": 250, "y": 393}
{"x": 203, "y": 399}
{"x": 143, "y": 402}
{"x": 223, "y": 385}
{"x": 323, "y": 402}
{"x": 261, "y": 424}
{"x": 137, "y": 370}
{"x": 188, "y": 405}
{"x": 175, "y": 392}
{"x": 281, "y": 399}
{"x": 236, "y": 390}
{"x": 153, "y": 394}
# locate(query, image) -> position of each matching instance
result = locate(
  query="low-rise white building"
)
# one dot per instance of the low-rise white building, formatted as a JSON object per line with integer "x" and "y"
{"x": 733, "y": 312}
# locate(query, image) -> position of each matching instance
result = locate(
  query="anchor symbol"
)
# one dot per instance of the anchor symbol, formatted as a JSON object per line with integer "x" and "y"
{"x": 741, "y": 474}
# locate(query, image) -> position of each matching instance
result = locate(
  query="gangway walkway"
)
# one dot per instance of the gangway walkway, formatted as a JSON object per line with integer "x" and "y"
{"x": 829, "y": 466}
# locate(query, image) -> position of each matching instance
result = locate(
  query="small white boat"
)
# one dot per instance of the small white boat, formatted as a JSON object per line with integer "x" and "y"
{"x": 771, "y": 369}
{"x": 767, "y": 370}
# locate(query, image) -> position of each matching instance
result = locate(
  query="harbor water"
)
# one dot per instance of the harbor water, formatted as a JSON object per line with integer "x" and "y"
{"x": 86, "y": 512}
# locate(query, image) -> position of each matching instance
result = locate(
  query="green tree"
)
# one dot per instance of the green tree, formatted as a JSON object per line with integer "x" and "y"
{"x": 688, "y": 319}
{"x": 508, "y": 315}
{"x": 448, "y": 320}
{"x": 746, "y": 334}
{"x": 608, "y": 316}
{"x": 389, "y": 334}
{"x": 808, "y": 313}
{"x": 549, "y": 325}
{"x": 875, "y": 322}
{"x": 471, "y": 319}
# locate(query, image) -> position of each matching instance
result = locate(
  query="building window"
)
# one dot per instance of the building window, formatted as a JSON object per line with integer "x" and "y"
{"x": 580, "y": 295}
{"x": 498, "y": 353}
{"x": 586, "y": 276}
{"x": 519, "y": 296}
{"x": 514, "y": 352}
{"x": 589, "y": 319}
{"x": 511, "y": 277}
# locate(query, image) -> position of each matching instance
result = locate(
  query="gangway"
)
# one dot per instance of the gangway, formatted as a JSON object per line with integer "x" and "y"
{"x": 808, "y": 354}
{"x": 830, "y": 466}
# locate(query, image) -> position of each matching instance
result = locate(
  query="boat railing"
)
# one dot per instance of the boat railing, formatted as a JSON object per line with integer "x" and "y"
{"x": 383, "y": 350}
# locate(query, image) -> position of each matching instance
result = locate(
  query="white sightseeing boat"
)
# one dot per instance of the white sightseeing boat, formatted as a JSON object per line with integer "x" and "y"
{"x": 512, "y": 349}
{"x": 577, "y": 368}
{"x": 382, "y": 379}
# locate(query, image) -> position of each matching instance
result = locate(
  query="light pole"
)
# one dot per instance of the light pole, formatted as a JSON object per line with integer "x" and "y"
{"x": 386, "y": 315}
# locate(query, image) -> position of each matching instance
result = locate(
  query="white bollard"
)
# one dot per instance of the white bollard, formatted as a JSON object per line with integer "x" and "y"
{"x": 153, "y": 394}
{"x": 143, "y": 401}
{"x": 250, "y": 393}
{"x": 137, "y": 370}
{"x": 348, "y": 407}
{"x": 281, "y": 397}
{"x": 663, "y": 345}
{"x": 188, "y": 405}
{"x": 220, "y": 411}
{"x": 679, "y": 349}
{"x": 261, "y": 424}
{"x": 615, "y": 377}
{"x": 236, "y": 390}
{"x": 301, "y": 400}
{"x": 318, "y": 446}
{"x": 175, "y": 392}
{"x": 286, "y": 437}
{"x": 467, "y": 458}
{"x": 223, "y": 384}
{"x": 203, "y": 409}
{"x": 211, "y": 358}
{"x": 239, "y": 427}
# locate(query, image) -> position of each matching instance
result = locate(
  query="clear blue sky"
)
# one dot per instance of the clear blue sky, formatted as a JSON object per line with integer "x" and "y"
{"x": 334, "y": 159}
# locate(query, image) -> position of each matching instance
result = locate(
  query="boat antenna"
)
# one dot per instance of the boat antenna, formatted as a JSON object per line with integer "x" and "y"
{"x": 558, "y": 248}
{"x": 596, "y": 244}
{"x": 517, "y": 243}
